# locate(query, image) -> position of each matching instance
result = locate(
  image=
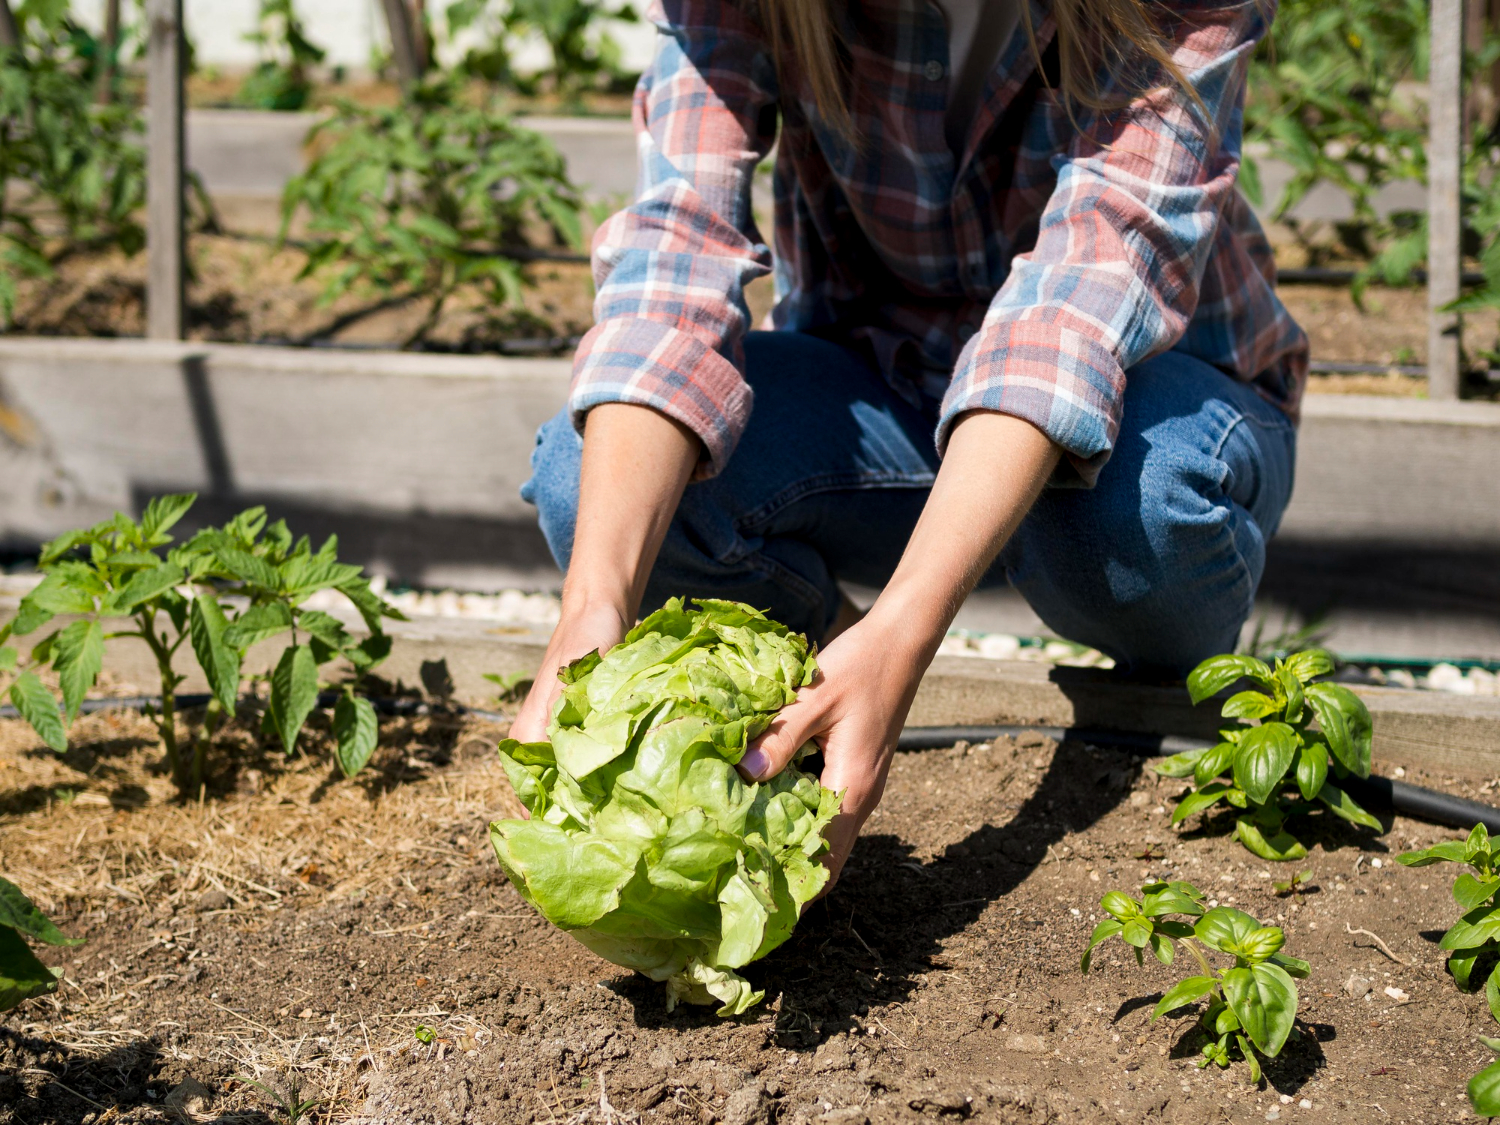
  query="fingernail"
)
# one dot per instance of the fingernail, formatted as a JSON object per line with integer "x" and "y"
{"x": 755, "y": 762}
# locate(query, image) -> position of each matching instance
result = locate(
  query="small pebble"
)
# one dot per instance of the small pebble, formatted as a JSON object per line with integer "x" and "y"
{"x": 1376, "y": 863}
{"x": 1286, "y": 1099}
{"x": 1304, "y": 1104}
{"x": 1396, "y": 994}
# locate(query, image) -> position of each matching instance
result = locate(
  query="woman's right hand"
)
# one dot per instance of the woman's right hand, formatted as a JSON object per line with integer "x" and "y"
{"x": 577, "y": 634}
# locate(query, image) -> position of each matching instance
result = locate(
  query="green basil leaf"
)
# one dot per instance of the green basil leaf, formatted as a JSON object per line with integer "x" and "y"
{"x": 1180, "y": 765}
{"x": 1162, "y": 946}
{"x": 1260, "y": 945}
{"x": 1102, "y": 932}
{"x": 1294, "y": 966}
{"x": 1264, "y": 999}
{"x": 1265, "y": 754}
{"x": 1224, "y": 927}
{"x": 1278, "y": 848}
{"x": 1218, "y": 672}
{"x": 1312, "y": 769}
{"x": 1474, "y": 929}
{"x": 1136, "y": 932}
{"x": 1182, "y": 993}
{"x": 1122, "y": 906}
{"x": 1450, "y": 851}
{"x": 1343, "y": 805}
{"x": 1249, "y": 705}
{"x": 1206, "y": 797}
{"x": 1309, "y": 663}
{"x": 1469, "y": 891}
{"x": 1291, "y": 688}
{"x": 1484, "y": 1091}
{"x": 1250, "y": 1059}
{"x": 1345, "y": 722}
{"x": 1214, "y": 762}
{"x": 1461, "y": 965}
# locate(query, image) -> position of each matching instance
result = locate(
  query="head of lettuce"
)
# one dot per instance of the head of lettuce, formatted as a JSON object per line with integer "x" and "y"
{"x": 644, "y": 842}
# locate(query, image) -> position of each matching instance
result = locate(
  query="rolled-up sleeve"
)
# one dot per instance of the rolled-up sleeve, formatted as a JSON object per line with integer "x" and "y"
{"x": 671, "y": 269}
{"x": 1120, "y": 251}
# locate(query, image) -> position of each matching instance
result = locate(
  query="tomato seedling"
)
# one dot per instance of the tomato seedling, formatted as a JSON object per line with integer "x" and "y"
{"x": 22, "y": 976}
{"x": 221, "y": 592}
{"x": 1277, "y": 767}
{"x": 1252, "y": 1005}
{"x": 1472, "y": 945}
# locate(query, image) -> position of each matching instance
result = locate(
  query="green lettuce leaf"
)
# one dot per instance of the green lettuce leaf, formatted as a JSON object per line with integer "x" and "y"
{"x": 643, "y": 840}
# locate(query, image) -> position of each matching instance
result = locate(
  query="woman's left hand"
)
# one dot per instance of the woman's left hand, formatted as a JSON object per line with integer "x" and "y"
{"x": 854, "y": 710}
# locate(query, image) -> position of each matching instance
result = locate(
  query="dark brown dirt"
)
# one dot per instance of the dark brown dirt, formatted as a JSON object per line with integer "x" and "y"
{"x": 938, "y": 981}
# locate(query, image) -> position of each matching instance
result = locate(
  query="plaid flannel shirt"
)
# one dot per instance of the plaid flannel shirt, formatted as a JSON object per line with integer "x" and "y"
{"x": 1026, "y": 276}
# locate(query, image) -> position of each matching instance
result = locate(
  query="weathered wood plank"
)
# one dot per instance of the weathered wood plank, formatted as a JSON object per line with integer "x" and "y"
{"x": 1444, "y": 207}
{"x": 166, "y": 230}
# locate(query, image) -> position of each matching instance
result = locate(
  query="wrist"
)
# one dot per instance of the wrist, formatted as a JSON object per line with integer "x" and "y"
{"x": 909, "y": 624}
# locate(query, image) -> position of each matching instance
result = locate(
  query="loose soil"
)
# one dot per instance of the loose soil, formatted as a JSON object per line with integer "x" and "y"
{"x": 357, "y": 940}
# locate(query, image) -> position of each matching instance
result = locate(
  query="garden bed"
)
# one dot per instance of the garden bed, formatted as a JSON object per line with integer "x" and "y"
{"x": 298, "y": 925}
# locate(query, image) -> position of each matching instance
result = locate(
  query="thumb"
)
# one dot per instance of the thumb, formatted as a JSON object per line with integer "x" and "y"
{"x": 788, "y": 732}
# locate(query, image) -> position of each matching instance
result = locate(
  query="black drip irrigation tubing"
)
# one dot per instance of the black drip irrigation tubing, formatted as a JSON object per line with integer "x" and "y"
{"x": 1372, "y": 792}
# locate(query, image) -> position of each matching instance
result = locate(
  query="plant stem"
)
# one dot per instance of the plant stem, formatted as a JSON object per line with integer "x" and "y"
{"x": 211, "y": 719}
{"x": 166, "y": 724}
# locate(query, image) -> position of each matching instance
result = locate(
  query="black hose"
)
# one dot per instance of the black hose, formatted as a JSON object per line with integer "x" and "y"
{"x": 1372, "y": 792}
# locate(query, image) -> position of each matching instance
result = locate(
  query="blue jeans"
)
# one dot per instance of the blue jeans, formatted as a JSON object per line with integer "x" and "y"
{"x": 1157, "y": 565}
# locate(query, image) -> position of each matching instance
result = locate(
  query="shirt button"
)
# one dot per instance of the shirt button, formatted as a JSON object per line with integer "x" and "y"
{"x": 933, "y": 70}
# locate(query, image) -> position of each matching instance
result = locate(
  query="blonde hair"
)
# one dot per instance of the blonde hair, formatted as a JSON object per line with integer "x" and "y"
{"x": 1093, "y": 36}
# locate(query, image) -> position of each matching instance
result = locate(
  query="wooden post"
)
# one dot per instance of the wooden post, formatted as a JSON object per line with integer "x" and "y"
{"x": 1444, "y": 203}
{"x": 109, "y": 48}
{"x": 406, "y": 46}
{"x": 165, "y": 226}
{"x": 10, "y": 38}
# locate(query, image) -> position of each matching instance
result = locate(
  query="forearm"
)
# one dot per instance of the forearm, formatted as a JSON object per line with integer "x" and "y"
{"x": 636, "y": 463}
{"x": 994, "y": 468}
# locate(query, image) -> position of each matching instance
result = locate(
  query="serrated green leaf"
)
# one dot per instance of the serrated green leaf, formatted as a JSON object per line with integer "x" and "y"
{"x": 142, "y": 587}
{"x": 218, "y": 659}
{"x": 22, "y": 976}
{"x": 294, "y": 693}
{"x": 356, "y": 729}
{"x": 39, "y": 709}
{"x": 258, "y": 623}
{"x": 163, "y": 512}
{"x": 78, "y": 656}
{"x": 19, "y": 913}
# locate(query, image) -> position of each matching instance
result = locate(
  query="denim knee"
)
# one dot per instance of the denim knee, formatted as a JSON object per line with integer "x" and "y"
{"x": 553, "y": 488}
{"x": 1158, "y": 565}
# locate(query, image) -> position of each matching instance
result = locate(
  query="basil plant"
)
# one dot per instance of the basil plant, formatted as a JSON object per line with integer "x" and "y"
{"x": 643, "y": 841}
{"x": 1473, "y": 941}
{"x": 1281, "y": 765}
{"x": 1252, "y": 1005}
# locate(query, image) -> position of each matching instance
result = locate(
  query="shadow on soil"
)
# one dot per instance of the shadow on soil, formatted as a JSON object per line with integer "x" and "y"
{"x": 44, "y": 1081}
